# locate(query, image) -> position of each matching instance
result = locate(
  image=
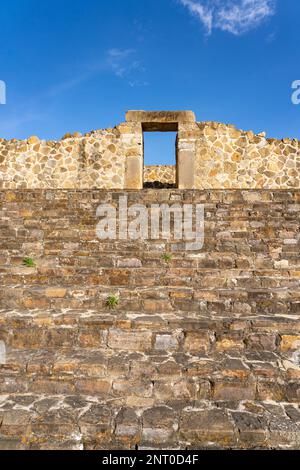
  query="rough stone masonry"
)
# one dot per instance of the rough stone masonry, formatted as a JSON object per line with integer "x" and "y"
{"x": 209, "y": 156}
{"x": 202, "y": 349}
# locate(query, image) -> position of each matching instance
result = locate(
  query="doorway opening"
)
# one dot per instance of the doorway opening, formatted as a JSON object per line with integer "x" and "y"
{"x": 160, "y": 157}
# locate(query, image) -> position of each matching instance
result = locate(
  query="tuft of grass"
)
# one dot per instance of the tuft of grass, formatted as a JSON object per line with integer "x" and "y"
{"x": 29, "y": 263}
{"x": 112, "y": 302}
{"x": 167, "y": 257}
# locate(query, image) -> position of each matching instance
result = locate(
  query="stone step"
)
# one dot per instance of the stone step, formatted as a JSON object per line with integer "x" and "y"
{"x": 115, "y": 370}
{"x": 265, "y": 256}
{"x": 285, "y": 289}
{"x": 201, "y": 351}
{"x": 76, "y": 380}
{"x": 161, "y": 276}
{"x": 264, "y": 348}
{"x": 263, "y": 265}
{"x": 271, "y": 339}
{"x": 64, "y": 421}
{"x": 153, "y": 299}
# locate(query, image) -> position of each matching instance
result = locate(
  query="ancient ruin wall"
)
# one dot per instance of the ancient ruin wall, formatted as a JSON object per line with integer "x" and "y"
{"x": 230, "y": 158}
{"x": 165, "y": 174}
{"x": 96, "y": 160}
{"x": 202, "y": 350}
{"x": 209, "y": 156}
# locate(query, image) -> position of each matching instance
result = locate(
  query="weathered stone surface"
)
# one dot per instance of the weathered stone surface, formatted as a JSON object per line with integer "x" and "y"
{"x": 201, "y": 352}
{"x": 159, "y": 425}
{"x": 132, "y": 341}
{"x": 232, "y": 391}
{"x": 160, "y": 120}
{"x": 166, "y": 342}
{"x": 210, "y": 426}
{"x": 209, "y": 155}
{"x": 55, "y": 292}
{"x": 290, "y": 343}
{"x": 198, "y": 341}
{"x": 160, "y": 174}
{"x": 134, "y": 172}
{"x": 128, "y": 425}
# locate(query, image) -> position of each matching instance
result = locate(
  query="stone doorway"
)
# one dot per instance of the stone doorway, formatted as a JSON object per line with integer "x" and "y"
{"x": 160, "y": 158}
{"x": 180, "y": 175}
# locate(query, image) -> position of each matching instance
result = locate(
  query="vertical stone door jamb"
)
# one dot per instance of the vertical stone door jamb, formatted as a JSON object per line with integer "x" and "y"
{"x": 134, "y": 154}
{"x": 185, "y": 157}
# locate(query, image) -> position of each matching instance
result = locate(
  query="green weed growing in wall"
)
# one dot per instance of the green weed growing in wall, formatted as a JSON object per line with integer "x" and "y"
{"x": 29, "y": 263}
{"x": 167, "y": 257}
{"x": 112, "y": 301}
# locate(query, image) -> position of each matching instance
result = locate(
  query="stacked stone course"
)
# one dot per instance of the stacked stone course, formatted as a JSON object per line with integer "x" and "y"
{"x": 201, "y": 351}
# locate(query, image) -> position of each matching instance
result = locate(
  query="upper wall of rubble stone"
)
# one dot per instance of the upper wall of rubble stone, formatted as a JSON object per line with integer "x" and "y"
{"x": 164, "y": 174}
{"x": 230, "y": 158}
{"x": 95, "y": 160}
{"x": 209, "y": 155}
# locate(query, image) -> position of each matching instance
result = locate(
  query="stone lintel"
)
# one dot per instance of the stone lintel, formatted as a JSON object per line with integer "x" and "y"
{"x": 163, "y": 121}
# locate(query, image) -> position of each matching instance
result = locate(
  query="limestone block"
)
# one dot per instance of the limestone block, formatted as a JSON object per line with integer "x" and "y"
{"x": 134, "y": 172}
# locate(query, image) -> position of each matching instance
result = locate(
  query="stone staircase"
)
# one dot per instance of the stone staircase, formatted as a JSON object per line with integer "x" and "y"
{"x": 202, "y": 351}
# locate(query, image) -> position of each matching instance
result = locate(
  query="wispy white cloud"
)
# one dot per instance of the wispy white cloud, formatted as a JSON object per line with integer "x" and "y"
{"x": 66, "y": 85}
{"x": 271, "y": 37}
{"x": 234, "y": 16}
{"x": 203, "y": 11}
{"x": 123, "y": 61}
{"x": 137, "y": 83}
{"x": 124, "y": 64}
{"x": 118, "y": 60}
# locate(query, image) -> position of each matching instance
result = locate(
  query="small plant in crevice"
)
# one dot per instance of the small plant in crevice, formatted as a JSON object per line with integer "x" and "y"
{"x": 82, "y": 227}
{"x": 29, "y": 263}
{"x": 112, "y": 302}
{"x": 167, "y": 257}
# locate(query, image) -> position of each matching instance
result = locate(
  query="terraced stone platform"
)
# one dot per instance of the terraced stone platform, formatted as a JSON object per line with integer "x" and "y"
{"x": 202, "y": 351}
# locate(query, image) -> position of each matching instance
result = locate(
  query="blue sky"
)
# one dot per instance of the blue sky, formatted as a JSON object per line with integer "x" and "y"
{"x": 77, "y": 65}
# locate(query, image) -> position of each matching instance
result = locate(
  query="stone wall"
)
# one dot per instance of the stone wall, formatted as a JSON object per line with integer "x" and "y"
{"x": 209, "y": 156}
{"x": 165, "y": 174}
{"x": 230, "y": 158}
{"x": 96, "y": 160}
{"x": 201, "y": 351}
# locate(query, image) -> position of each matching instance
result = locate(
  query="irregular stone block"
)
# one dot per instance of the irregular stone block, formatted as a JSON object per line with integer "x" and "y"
{"x": 290, "y": 342}
{"x": 166, "y": 342}
{"x": 55, "y": 292}
{"x": 212, "y": 427}
{"x": 128, "y": 426}
{"x": 197, "y": 341}
{"x": 234, "y": 391}
{"x": 130, "y": 341}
